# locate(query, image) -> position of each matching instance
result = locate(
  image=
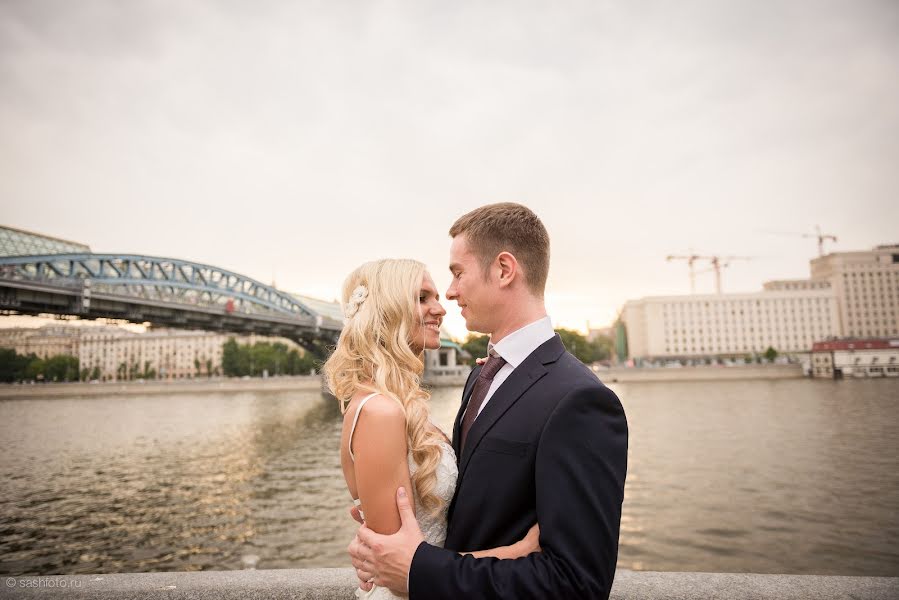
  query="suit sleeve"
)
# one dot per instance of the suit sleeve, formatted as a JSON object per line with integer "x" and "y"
{"x": 580, "y": 471}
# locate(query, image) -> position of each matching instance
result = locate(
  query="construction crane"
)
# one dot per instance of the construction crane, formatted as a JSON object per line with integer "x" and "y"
{"x": 821, "y": 237}
{"x": 718, "y": 263}
{"x": 722, "y": 262}
{"x": 691, "y": 260}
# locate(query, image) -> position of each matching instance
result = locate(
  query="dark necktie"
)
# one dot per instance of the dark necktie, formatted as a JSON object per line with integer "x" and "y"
{"x": 481, "y": 386}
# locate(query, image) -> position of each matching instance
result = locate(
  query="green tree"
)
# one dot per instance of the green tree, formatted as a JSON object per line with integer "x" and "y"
{"x": 14, "y": 366}
{"x": 61, "y": 367}
{"x": 35, "y": 370}
{"x": 231, "y": 359}
{"x": 770, "y": 354}
{"x": 585, "y": 350}
{"x": 476, "y": 345}
{"x": 299, "y": 364}
{"x": 95, "y": 373}
{"x": 275, "y": 358}
{"x": 603, "y": 347}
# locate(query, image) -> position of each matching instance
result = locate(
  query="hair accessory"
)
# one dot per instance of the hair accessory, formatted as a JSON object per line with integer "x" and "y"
{"x": 356, "y": 299}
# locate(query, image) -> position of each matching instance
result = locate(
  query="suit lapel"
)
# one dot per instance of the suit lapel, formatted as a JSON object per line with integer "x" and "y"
{"x": 520, "y": 380}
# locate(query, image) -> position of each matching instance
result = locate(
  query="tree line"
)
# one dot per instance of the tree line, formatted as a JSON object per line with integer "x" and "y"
{"x": 15, "y": 367}
{"x": 585, "y": 350}
{"x": 275, "y": 358}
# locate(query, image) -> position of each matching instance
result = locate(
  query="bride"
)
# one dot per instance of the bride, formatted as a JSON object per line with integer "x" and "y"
{"x": 393, "y": 314}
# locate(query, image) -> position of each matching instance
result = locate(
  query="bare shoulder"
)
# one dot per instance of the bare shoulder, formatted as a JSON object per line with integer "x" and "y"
{"x": 380, "y": 409}
{"x": 380, "y": 430}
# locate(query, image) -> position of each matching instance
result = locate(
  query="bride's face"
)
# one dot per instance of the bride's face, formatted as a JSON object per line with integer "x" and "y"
{"x": 426, "y": 332}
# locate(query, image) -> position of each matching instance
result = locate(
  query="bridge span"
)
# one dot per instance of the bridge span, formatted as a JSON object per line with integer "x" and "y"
{"x": 165, "y": 292}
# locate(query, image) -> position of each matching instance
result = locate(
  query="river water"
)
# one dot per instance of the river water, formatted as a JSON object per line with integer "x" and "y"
{"x": 796, "y": 476}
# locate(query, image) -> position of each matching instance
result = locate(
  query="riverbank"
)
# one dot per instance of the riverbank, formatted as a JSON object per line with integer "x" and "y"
{"x": 309, "y": 382}
{"x": 700, "y": 373}
{"x": 184, "y": 386}
{"x": 339, "y": 584}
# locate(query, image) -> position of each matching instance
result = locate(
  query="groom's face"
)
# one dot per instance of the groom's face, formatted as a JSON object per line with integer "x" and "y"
{"x": 470, "y": 288}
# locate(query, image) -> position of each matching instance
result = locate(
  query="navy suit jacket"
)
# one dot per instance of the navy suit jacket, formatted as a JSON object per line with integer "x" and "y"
{"x": 549, "y": 447}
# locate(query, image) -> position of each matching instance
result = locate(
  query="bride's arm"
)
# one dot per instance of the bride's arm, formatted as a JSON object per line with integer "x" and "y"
{"x": 380, "y": 467}
{"x": 529, "y": 543}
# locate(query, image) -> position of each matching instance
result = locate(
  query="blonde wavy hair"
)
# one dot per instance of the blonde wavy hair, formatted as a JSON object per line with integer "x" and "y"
{"x": 374, "y": 354}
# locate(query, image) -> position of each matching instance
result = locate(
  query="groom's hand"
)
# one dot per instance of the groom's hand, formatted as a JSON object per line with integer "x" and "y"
{"x": 365, "y": 578}
{"x": 389, "y": 557}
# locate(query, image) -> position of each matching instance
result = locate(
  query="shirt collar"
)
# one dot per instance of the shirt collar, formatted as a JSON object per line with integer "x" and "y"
{"x": 519, "y": 344}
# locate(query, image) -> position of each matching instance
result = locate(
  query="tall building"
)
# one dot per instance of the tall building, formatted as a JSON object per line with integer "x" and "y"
{"x": 729, "y": 325}
{"x": 849, "y": 294}
{"x": 866, "y": 285}
{"x": 44, "y": 342}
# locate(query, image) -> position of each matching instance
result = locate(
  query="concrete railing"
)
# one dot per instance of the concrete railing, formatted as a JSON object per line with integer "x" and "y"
{"x": 327, "y": 584}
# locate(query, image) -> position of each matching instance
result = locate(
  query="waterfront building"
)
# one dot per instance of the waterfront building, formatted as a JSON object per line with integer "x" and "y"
{"x": 855, "y": 358}
{"x": 849, "y": 294}
{"x": 866, "y": 285}
{"x": 445, "y": 366}
{"x": 114, "y": 353}
{"x": 44, "y": 342}
{"x": 169, "y": 353}
{"x": 729, "y": 325}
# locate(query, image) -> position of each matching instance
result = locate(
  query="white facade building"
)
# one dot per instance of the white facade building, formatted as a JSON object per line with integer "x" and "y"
{"x": 866, "y": 285}
{"x": 850, "y": 294}
{"x": 171, "y": 353}
{"x": 443, "y": 366}
{"x": 855, "y": 358}
{"x": 44, "y": 342}
{"x": 729, "y": 324}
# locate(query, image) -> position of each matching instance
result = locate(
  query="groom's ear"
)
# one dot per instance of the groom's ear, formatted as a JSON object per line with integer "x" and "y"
{"x": 508, "y": 268}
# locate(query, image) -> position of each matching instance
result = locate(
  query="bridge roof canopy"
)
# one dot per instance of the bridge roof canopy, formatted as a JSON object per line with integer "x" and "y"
{"x": 327, "y": 308}
{"x": 18, "y": 242}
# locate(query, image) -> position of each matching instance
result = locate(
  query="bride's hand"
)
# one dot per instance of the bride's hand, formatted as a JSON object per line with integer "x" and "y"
{"x": 531, "y": 541}
{"x": 480, "y": 361}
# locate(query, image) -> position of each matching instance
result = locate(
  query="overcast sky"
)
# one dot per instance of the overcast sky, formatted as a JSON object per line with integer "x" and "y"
{"x": 295, "y": 140}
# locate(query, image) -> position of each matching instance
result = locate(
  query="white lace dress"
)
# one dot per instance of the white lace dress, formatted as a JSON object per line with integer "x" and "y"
{"x": 432, "y": 527}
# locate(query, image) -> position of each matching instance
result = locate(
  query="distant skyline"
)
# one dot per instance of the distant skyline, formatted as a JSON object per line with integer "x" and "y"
{"x": 292, "y": 142}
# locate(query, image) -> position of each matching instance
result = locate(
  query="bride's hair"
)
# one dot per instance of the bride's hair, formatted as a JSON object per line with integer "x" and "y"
{"x": 374, "y": 353}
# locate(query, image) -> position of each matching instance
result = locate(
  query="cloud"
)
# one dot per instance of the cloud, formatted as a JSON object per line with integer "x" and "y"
{"x": 300, "y": 139}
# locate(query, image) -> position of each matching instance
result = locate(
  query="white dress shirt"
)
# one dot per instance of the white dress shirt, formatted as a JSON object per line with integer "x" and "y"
{"x": 516, "y": 347}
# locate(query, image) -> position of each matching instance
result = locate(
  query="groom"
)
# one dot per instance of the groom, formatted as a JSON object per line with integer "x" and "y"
{"x": 538, "y": 439}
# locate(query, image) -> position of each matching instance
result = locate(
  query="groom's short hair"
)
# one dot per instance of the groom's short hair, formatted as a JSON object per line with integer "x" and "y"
{"x": 508, "y": 227}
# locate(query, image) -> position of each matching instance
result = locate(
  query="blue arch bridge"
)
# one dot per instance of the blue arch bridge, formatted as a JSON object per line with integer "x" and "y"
{"x": 163, "y": 292}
